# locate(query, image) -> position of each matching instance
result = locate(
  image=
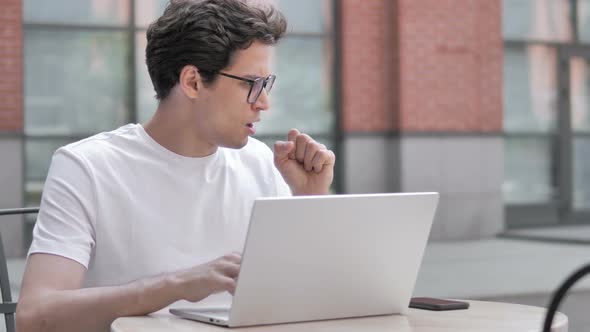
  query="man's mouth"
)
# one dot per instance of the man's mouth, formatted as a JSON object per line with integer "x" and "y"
{"x": 251, "y": 128}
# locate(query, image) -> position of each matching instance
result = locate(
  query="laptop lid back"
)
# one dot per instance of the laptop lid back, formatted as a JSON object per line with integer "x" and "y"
{"x": 324, "y": 257}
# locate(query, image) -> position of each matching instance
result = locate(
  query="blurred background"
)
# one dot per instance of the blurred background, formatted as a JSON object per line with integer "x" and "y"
{"x": 484, "y": 101}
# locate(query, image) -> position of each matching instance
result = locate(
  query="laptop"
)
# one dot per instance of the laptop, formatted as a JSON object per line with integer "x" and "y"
{"x": 310, "y": 258}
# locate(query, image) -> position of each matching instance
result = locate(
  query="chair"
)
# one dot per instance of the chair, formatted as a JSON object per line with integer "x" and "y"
{"x": 7, "y": 307}
{"x": 561, "y": 294}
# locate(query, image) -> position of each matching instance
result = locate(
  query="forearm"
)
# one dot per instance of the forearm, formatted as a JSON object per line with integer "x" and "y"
{"x": 93, "y": 309}
{"x": 309, "y": 193}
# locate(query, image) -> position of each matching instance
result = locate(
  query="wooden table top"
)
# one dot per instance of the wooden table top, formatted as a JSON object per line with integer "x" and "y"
{"x": 481, "y": 316}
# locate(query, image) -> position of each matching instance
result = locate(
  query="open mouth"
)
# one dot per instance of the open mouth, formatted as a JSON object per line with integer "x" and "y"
{"x": 251, "y": 128}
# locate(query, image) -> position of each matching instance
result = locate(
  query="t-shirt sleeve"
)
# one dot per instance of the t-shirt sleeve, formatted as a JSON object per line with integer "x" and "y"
{"x": 65, "y": 221}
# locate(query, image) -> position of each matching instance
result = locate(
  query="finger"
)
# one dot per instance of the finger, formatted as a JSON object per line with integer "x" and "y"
{"x": 291, "y": 137}
{"x": 282, "y": 149}
{"x": 224, "y": 283}
{"x": 292, "y": 134}
{"x": 322, "y": 159}
{"x": 311, "y": 151}
{"x": 300, "y": 146}
{"x": 234, "y": 257}
{"x": 228, "y": 269}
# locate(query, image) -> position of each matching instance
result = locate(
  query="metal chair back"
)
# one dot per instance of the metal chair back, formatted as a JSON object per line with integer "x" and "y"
{"x": 7, "y": 306}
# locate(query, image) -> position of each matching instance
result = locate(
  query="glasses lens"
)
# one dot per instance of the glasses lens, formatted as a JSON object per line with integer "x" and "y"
{"x": 255, "y": 90}
{"x": 269, "y": 83}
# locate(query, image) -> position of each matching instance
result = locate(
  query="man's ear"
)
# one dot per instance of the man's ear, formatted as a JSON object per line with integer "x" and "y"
{"x": 190, "y": 81}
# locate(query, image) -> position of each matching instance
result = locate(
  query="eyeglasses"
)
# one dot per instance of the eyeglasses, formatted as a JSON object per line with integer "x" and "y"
{"x": 256, "y": 85}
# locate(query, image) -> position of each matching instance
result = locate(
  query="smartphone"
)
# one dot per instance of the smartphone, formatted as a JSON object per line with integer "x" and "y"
{"x": 430, "y": 303}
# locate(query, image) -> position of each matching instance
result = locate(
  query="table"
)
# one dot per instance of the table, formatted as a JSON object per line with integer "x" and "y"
{"x": 481, "y": 316}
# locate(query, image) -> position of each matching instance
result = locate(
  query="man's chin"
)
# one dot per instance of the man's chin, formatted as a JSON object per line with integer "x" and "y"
{"x": 236, "y": 144}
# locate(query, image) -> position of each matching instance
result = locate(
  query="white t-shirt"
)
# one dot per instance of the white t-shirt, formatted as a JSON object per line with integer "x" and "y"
{"x": 125, "y": 207}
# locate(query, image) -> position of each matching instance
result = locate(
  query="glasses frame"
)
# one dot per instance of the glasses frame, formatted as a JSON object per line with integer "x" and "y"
{"x": 269, "y": 78}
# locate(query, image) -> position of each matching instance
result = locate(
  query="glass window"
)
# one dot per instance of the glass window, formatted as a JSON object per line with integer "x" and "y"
{"x": 580, "y": 94}
{"x": 302, "y": 94}
{"x": 83, "y": 12}
{"x": 537, "y": 19}
{"x": 75, "y": 81}
{"x": 581, "y": 179}
{"x": 580, "y": 121}
{"x": 307, "y": 16}
{"x": 145, "y": 94}
{"x": 584, "y": 20}
{"x": 304, "y": 16}
{"x": 530, "y": 89}
{"x": 147, "y": 11}
{"x": 527, "y": 177}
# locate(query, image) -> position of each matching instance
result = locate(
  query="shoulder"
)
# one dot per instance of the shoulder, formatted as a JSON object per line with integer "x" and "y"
{"x": 101, "y": 145}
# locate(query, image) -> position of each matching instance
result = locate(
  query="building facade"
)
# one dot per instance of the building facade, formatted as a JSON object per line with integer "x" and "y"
{"x": 482, "y": 101}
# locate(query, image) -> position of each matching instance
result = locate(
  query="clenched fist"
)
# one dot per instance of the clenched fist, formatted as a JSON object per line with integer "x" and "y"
{"x": 306, "y": 165}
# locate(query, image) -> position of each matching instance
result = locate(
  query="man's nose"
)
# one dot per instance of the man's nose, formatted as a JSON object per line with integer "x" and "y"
{"x": 263, "y": 101}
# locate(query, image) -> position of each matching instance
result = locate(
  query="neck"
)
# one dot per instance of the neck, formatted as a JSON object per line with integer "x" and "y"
{"x": 172, "y": 126}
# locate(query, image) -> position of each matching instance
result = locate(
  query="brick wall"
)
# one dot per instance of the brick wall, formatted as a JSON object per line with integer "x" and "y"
{"x": 369, "y": 63}
{"x": 11, "y": 66}
{"x": 422, "y": 66}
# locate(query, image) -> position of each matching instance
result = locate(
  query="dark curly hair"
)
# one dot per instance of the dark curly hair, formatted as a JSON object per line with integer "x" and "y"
{"x": 205, "y": 34}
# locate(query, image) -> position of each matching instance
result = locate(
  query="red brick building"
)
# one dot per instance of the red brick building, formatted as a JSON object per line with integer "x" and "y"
{"x": 422, "y": 106}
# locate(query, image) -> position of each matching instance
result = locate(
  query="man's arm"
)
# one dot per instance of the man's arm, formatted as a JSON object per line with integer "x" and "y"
{"x": 51, "y": 298}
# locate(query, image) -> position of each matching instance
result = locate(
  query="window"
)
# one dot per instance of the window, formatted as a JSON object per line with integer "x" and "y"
{"x": 546, "y": 118}
{"x": 540, "y": 20}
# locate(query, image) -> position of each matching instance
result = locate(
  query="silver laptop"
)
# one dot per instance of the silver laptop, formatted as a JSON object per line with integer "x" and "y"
{"x": 325, "y": 257}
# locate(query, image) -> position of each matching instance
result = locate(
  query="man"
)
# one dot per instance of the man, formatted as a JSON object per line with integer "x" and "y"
{"x": 135, "y": 219}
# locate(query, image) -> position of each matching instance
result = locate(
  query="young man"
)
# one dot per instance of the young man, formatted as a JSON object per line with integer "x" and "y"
{"x": 135, "y": 219}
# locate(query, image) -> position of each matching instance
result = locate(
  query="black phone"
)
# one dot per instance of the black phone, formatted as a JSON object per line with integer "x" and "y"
{"x": 430, "y": 303}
